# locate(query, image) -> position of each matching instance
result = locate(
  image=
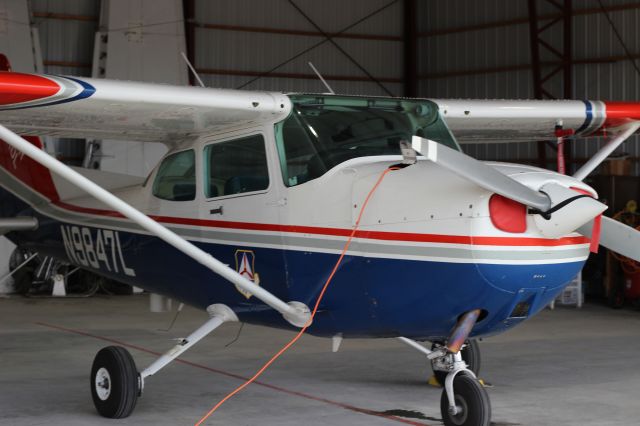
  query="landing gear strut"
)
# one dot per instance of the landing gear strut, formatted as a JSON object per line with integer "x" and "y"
{"x": 115, "y": 381}
{"x": 472, "y": 406}
{"x": 470, "y": 355}
{"x": 464, "y": 401}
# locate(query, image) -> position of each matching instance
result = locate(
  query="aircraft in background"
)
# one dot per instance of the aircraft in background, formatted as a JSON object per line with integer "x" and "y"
{"x": 264, "y": 190}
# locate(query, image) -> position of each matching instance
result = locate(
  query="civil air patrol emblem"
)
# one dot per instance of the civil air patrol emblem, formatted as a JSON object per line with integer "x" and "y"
{"x": 245, "y": 265}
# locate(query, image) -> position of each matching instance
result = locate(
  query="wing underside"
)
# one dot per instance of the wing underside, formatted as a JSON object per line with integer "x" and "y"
{"x": 95, "y": 108}
{"x": 486, "y": 121}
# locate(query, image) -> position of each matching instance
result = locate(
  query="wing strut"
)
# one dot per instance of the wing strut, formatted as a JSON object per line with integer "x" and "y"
{"x": 296, "y": 313}
{"x": 605, "y": 151}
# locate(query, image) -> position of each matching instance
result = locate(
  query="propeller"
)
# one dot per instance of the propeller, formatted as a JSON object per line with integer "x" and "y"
{"x": 481, "y": 174}
{"x": 550, "y": 202}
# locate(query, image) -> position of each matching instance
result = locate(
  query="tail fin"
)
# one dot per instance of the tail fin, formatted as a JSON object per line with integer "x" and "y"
{"x": 35, "y": 176}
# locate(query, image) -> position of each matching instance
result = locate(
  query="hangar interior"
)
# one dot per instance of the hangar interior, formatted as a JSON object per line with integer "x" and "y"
{"x": 455, "y": 49}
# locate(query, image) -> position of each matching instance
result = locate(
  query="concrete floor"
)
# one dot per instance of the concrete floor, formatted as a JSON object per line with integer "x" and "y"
{"x": 568, "y": 366}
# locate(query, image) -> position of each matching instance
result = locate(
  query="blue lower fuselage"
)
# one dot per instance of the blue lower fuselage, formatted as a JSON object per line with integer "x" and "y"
{"x": 368, "y": 297}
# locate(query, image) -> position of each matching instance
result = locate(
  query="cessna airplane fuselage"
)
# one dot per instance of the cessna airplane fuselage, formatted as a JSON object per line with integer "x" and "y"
{"x": 275, "y": 200}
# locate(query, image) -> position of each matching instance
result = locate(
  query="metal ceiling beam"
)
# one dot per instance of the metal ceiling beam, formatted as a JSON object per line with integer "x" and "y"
{"x": 301, "y": 76}
{"x": 525, "y": 19}
{"x": 320, "y": 43}
{"x": 544, "y": 76}
{"x": 410, "y": 48}
{"x": 340, "y": 49}
{"x": 65, "y": 16}
{"x": 521, "y": 67}
{"x": 266, "y": 30}
{"x": 189, "y": 12}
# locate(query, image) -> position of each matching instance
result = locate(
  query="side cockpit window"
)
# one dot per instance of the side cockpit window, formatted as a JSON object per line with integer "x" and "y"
{"x": 176, "y": 177}
{"x": 236, "y": 167}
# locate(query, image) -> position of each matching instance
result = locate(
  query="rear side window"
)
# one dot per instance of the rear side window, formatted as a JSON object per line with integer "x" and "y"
{"x": 176, "y": 177}
{"x": 236, "y": 167}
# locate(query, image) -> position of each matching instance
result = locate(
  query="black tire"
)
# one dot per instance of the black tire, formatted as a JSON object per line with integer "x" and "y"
{"x": 84, "y": 283}
{"x": 472, "y": 398}
{"x": 116, "y": 397}
{"x": 470, "y": 355}
{"x": 23, "y": 280}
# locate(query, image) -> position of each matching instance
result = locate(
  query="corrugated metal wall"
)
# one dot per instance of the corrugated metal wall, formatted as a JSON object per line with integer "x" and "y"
{"x": 67, "y": 41}
{"x": 232, "y": 51}
{"x": 67, "y": 49}
{"x": 452, "y": 62}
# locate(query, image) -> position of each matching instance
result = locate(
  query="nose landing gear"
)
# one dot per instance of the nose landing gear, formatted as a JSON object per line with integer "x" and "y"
{"x": 464, "y": 401}
{"x": 470, "y": 355}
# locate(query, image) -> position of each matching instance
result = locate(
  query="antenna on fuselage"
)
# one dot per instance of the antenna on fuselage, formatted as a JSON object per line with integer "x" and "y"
{"x": 321, "y": 79}
{"x": 193, "y": 70}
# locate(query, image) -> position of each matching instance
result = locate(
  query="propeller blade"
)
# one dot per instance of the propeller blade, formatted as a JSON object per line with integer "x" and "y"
{"x": 616, "y": 236}
{"x": 483, "y": 175}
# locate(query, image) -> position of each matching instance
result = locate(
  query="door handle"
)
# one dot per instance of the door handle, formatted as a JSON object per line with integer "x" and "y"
{"x": 216, "y": 211}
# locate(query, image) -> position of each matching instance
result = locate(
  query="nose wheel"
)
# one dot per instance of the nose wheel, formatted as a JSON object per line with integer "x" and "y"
{"x": 472, "y": 406}
{"x": 115, "y": 382}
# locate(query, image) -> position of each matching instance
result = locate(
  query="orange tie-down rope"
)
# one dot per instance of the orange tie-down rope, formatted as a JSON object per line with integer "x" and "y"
{"x": 313, "y": 313}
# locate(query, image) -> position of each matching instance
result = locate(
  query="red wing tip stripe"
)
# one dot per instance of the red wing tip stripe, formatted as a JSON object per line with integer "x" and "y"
{"x": 619, "y": 113}
{"x": 16, "y": 88}
{"x": 341, "y": 232}
{"x": 18, "y": 91}
{"x": 629, "y": 110}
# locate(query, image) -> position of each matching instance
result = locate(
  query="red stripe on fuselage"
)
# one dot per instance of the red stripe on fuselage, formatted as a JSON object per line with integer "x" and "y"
{"x": 17, "y": 88}
{"x": 341, "y": 232}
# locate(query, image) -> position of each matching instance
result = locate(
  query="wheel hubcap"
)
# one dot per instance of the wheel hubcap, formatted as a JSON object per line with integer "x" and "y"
{"x": 103, "y": 384}
{"x": 461, "y": 417}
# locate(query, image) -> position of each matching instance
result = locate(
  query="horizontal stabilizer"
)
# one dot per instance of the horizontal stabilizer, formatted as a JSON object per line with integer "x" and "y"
{"x": 17, "y": 224}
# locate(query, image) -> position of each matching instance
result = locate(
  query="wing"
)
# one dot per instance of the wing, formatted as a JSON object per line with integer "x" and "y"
{"x": 46, "y": 105}
{"x": 483, "y": 121}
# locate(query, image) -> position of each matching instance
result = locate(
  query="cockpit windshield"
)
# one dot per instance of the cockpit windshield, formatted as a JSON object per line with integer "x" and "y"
{"x": 324, "y": 131}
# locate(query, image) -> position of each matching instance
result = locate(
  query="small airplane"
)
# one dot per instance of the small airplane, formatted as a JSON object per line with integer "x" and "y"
{"x": 246, "y": 215}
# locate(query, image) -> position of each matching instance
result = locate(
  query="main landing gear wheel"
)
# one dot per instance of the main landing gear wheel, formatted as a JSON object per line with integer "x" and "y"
{"x": 472, "y": 403}
{"x": 470, "y": 354}
{"x": 115, "y": 382}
